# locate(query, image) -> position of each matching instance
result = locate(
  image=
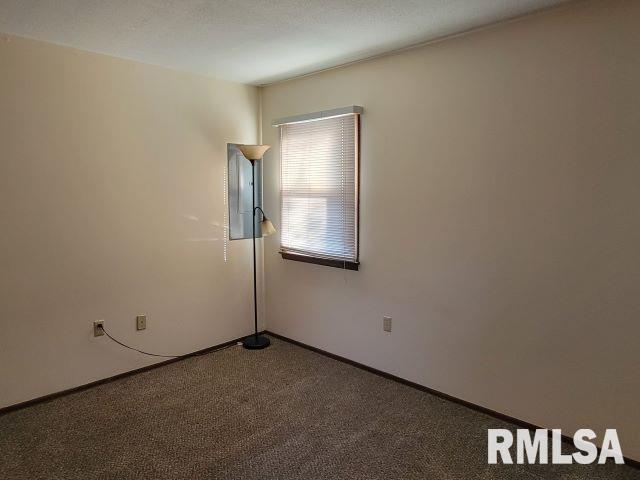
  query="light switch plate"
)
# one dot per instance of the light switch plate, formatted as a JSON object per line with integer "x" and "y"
{"x": 141, "y": 322}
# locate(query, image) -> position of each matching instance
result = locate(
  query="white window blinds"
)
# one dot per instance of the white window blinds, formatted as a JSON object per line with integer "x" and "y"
{"x": 319, "y": 181}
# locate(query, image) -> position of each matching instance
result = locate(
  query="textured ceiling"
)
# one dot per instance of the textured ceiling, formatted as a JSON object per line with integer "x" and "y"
{"x": 250, "y": 41}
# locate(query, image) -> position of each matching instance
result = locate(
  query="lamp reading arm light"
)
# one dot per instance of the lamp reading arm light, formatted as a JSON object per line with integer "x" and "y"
{"x": 266, "y": 227}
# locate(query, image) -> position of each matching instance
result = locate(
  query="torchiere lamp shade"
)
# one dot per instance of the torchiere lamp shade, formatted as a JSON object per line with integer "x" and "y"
{"x": 253, "y": 152}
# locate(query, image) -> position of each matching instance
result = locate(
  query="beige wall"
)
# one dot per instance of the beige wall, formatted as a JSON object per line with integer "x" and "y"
{"x": 111, "y": 200}
{"x": 499, "y": 219}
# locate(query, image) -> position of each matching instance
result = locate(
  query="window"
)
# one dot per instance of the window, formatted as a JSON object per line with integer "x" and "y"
{"x": 319, "y": 190}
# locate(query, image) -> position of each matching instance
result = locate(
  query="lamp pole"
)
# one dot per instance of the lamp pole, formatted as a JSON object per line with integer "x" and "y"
{"x": 256, "y": 341}
{"x": 253, "y": 230}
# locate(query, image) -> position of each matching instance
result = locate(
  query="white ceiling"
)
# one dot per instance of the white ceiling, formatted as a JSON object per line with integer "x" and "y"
{"x": 250, "y": 41}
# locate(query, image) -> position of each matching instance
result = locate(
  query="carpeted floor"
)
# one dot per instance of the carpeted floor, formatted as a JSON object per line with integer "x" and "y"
{"x": 279, "y": 413}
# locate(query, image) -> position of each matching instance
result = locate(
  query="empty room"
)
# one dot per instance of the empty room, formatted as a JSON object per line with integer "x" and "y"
{"x": 320, "y": 239}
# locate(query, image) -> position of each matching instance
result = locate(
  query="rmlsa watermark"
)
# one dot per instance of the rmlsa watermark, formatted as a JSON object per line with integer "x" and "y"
{"x": 532, "y": 446}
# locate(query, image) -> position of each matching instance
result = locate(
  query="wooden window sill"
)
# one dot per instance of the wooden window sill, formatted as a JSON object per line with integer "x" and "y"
{"x": 329, "y": 262}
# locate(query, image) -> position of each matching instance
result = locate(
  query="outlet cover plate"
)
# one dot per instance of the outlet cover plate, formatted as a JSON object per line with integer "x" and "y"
{"x": 141, "y": 322}
{"x": 386, "y": 323}
{"x": 98, "y": 332}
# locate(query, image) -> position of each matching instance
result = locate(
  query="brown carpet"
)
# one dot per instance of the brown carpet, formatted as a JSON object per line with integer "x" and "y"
{"x": 279, "y": 413}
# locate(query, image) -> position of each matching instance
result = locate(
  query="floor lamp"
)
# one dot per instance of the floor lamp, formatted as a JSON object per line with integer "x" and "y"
{"x": 254, "y": 153}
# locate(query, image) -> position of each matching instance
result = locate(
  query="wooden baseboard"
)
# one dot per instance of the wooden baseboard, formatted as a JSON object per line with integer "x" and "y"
{"x": 473, "y": 406}
{"x": 85, "y": 386}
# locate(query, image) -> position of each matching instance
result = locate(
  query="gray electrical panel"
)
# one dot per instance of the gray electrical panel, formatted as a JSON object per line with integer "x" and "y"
{"x": 239, "y": 193}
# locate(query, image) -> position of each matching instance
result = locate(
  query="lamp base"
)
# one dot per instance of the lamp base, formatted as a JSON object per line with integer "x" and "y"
{"x": 256, "y": 342}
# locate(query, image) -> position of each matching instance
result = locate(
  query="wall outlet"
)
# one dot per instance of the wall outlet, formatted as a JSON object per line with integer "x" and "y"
{"x": 386, "y": 323}
{"x": 97, "y": 331}
{"x": 141, "y": 322}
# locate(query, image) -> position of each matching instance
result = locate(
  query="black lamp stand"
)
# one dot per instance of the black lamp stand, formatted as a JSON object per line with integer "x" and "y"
{"x": 255, "y": 341}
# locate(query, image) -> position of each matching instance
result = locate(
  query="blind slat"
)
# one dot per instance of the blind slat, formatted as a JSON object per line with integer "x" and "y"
{"x": 319, "y": 187}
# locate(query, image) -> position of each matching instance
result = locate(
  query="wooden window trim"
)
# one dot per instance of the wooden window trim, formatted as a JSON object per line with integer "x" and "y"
{"x": 328, "y": 262}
